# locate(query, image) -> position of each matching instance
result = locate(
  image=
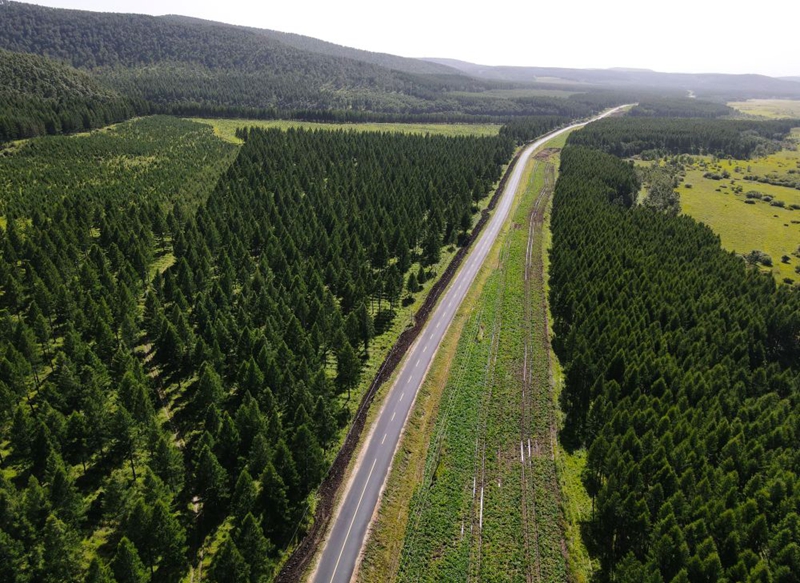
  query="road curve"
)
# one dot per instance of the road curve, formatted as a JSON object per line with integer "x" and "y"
{"x": 348, "y": 529}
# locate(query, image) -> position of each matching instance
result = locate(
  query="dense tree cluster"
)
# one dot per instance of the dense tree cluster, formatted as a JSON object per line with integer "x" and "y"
{"x": 39, "y": 96}
{"x": 679, "y": 107}
{"x": 682, "y": 380}
{"x": 626, "y": 136}
{"x": 78, "y": 409}
{"x": 178, "y": 334}
{"x": 525, "y": 129}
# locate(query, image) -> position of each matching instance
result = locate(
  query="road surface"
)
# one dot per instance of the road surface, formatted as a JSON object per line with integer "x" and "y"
{"x": 343, "y": 545}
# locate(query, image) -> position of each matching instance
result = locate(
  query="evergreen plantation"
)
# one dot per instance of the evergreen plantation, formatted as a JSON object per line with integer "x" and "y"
{"x": 682, "y": 380}
{"x": 179, "y": 333}
{"x": 654, "y": 136}
{"x": 185, "y": 323}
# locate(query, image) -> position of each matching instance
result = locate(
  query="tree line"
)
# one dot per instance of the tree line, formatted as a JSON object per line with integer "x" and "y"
{"x": 741, "y": 139}
{"x": 679, "y": 107}
{"x": 682, "y": 381}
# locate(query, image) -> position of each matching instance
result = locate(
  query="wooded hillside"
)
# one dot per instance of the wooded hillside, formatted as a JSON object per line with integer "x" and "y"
{"x": 39, "y": 96}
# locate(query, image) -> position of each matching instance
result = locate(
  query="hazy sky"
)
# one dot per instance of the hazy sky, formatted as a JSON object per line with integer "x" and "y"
{"x": 693, "y": 36}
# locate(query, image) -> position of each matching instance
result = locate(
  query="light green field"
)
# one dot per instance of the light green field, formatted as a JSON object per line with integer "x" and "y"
{"x": 771, "y": 108}
{"x": 226, "y": 128}
{"x": 745, "y": 227}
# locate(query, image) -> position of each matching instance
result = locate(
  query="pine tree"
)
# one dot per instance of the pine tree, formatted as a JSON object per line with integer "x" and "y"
{"x": 211, "y": 481}
{"x": 229, "y": 566}
{"x": 66, "y": 501}
{"x": 60, "y": 554}
{"x": 12, "y": 553}
{"x": 255, "y": 548}
{"x": 227, "y": 445}
{"x": 167, "y": 463}
{"x": 99, "y": 572}
{"x": 348, "y": 369}
{"x": 273, "y": 504}
{"x": 209, "y": 388}
{"x": 308, "y": 457}
{"x": 168, "y": 537}
{"x": 260, "y": 455}
{"x": 244, "y": 497}
{"x": 127, "y": 566}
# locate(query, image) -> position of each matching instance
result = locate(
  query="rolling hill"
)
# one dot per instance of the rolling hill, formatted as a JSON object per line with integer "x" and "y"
{"x": 710, "y": 85}
{"x": 181, "y": 62}
{"x": 313, "y": 45}
{"x": 40, "y": 96}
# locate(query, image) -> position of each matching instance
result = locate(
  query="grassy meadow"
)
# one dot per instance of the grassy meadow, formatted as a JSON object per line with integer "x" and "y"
{"x": 744, "y": 227}
{"x": 770, "y": 108}
{"x": 226, "y": 128}
{"x": 715, "y": 192}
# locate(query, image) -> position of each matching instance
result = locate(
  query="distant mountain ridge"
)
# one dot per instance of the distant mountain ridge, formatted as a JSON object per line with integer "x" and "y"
{"x": 714, "y": 85}
{"x": 188, "y": 66}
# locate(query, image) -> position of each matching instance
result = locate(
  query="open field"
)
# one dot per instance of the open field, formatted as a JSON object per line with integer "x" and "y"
{"x": 226, "y": 128}
{"x": 715, "y": 192}
{"x": 744, "y": 227}
{"x": 481, "y": 507}
{"x": 771, "y": 108}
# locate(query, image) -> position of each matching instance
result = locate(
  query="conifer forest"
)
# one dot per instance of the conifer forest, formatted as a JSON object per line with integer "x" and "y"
{"x": 213, "y": 273}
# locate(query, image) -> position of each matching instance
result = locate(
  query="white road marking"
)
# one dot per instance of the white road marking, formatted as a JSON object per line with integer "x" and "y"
{"x": 346, "y": 536}
{"x": 393, "y": 414}
{"x": 403, "y": 394}
{"x": 481, "y": 517}
{"x": 384, "y": 439}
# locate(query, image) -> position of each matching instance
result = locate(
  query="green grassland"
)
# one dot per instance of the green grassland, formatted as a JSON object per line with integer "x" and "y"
{"x": 771, "y": 108}
{"x": 226, "y": 128}
{"x": 744, "y": 227}
{"x": 715, "y": 192}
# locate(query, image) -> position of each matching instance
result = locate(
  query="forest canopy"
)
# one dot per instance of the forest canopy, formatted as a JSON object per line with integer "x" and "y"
{"x": 682, "y": 381}
{"x": 179, "y": 330}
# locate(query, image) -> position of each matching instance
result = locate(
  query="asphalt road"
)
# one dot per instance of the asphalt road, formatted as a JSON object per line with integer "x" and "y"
{"x": 348, "y": 530}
